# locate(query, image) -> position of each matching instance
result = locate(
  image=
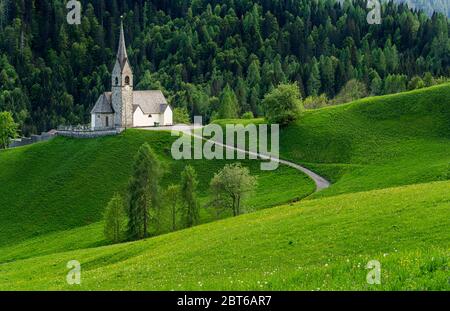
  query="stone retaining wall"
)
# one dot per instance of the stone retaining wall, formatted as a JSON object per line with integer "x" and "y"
{"x": 88, "y": 134}
{"x": 24, "y": 141}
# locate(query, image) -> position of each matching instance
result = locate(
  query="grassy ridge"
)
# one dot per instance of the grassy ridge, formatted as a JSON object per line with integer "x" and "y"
{"x": 376, "y": 142}
{"x": 66, "y": 183}
{"x": 373, "y": 143}
{"x": 315, "y": 244}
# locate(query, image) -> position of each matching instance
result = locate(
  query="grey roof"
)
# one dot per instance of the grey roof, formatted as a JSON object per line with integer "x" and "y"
{"x": 122, "y": 55}
{"x": 150, "y": 101}
{"x": 103, "y": 104}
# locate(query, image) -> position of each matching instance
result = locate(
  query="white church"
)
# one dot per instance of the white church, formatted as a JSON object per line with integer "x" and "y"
{"x": 123, "y": 107}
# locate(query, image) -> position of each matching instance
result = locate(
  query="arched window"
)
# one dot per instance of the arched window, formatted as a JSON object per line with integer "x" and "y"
{"x": 117, "y": 81}
{"x": 127, "y": 80}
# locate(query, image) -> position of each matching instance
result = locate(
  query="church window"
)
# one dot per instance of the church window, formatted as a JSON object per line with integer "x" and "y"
{"x": 107, "y": 122}
{"x": 127, "y": 80}
{"x": 117, "y": 81}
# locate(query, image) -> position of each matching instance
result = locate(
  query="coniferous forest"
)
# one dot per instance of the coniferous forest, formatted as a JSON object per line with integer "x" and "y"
{"x": 200, "y": 52}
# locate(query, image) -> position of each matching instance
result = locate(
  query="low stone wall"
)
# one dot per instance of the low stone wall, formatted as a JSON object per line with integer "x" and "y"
{"x": 88, "y": 134}
{"x": 24, "y": 141}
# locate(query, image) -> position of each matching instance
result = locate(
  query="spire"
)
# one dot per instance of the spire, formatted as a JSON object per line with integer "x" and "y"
{"x": 122, "y": 56}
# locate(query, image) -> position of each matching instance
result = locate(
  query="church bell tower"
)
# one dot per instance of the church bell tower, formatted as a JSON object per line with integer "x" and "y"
{"x": 122, "y": 86}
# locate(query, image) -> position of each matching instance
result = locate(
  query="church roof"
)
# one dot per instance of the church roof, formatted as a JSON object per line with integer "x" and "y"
{"x": 150, "y": 101}
{"x": 103, "y": 104}
{"x": 122, "y": 56}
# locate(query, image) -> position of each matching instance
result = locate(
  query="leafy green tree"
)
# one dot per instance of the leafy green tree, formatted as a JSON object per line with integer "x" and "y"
{"x": 416, "y": 83}
{"x": 181, "y": 116}
{"x": 352, "y": 91}
{"x": 190, "y": 205}
{"x": 115, "y": 220}
{"x": 8, "y": 129}
{"x": 395, "y": 84}
{"x": 315, "y": 102}
{"x": 428, "y": 79}
{"x": 230, "y": 187}
{"x": 143, "y": 193}
{"x": 283, "y": 105}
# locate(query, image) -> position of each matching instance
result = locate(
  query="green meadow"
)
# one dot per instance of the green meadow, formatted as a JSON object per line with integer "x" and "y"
{"x": 387, "y": 157}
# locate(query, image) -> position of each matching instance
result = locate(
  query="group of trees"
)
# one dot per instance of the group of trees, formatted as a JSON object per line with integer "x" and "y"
{"x": 140, "y": 213}
{"x": 133, "y": 217}
{"x": 212, "y": 58}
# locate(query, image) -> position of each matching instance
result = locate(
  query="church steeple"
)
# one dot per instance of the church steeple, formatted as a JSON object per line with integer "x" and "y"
{"x": 122, "y": 55}
{"x": 122, "y": 85}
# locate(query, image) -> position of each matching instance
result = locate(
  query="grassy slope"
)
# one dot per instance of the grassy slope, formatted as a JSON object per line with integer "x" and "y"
{"x": 315, "y": 244}
{"x": 321, "y": 243}
{"x": 66, "y": 183}
{"x": 376, "y": 142}
{"x": 373, "y": 143}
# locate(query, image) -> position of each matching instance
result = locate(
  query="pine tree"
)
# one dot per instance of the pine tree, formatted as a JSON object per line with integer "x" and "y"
{"x": 314, "y": 83}
{"x": 228, "y": 104}
{"x": 190, "y": 207}
{"x": 241, "y": 95}
{"x": 143, "y": 193}
{"x": 115, "y": 220}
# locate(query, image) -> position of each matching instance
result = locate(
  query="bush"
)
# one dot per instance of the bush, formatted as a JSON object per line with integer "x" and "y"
{"x": 316, "y": 102}
{"x": 416, "y": 83}
{"x": 181, "y": 116}
{"x": 283, "y": 104}
{"x": 353, "y": 90}
{"x": 248, "y": 115}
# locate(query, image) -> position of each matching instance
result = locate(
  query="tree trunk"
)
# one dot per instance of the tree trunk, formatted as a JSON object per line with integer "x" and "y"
{"x": 174, "y": 216}
{"x": 145, "y": 210}
{"x": 238, "y": 206}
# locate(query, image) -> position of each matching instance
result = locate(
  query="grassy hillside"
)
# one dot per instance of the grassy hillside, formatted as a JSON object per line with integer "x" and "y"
{"x": 315, "y": 244}
{"x": 374, "y": 143}
{"x": 66, "y": 183}
{"x": 387, "y": 156}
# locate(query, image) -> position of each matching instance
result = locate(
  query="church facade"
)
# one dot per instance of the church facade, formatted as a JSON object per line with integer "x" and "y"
{"x": 125, "y": 108}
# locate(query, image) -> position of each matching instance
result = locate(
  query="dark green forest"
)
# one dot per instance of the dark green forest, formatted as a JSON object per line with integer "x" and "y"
{"x": 197, "y": 51}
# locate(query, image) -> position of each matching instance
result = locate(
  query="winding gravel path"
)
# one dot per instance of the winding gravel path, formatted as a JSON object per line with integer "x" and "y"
{"x": 321, "y": 183}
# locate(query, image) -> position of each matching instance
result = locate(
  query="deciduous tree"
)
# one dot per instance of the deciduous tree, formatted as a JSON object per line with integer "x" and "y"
{"x": 230, "y": 186}
{"x": 8, "y": 129}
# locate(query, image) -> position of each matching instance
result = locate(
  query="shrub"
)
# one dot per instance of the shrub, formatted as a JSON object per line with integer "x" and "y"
{"x": 353, "y": 90}
{"x": 248, "y": 115}
{"x": 315, "y": 102}
{"x": 283, "y": 104}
